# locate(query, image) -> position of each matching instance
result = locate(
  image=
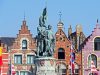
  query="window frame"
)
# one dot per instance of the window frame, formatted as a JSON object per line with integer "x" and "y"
{"x": 97, "y": 44}
{"x": 24, "y": 72}
{"x": 17, "y": 73}
{"x": 89, "y": 60}
{"x": 26, "y": 44}
{"x": 62, "y": 71}
{"x": 17, "y": 58}
{"x": 29, "y": 59}
{"x": 63, "y": 52}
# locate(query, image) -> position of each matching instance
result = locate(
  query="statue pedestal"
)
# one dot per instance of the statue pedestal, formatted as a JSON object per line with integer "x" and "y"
{"x": 45, "y": 66}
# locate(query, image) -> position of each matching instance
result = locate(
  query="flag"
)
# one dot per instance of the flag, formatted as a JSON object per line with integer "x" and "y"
{"x": 13, "y": 72}
{"x": 72, "y": 59}
{"x": 44, "y": 14}
{"x": 44, "y": 11}
{"x": 93, "y": 68}
{"x": 1, "y": 56}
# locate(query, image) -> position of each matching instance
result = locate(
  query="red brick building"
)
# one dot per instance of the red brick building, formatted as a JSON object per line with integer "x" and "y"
{"x": 23, "y": 47}
{"x": 23, "y": 51}
{"x": 5, "y": 60}
{"x": 62, "y": 53}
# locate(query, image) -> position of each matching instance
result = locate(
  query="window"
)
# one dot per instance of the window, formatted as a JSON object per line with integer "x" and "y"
{"x": 24, "y": 73}
{"x": 76, "y": 70}
{"x": 93, "y": 74}
{"x": 30, "y": 59}
{"x": 24, "y": 44}
{"x": 97, "y": 44}
{"x": 18, "y": 59}
{"x": 62, "y": 70}
{"x": 93, "y": 58}
{"x": 61, "y": 53}
{"x": 17, "y": 73}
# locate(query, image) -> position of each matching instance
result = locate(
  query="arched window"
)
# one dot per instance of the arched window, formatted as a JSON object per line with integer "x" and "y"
{"x": 62, "y": 70}
{"x": 93, "y": 58}
{"x": 24, "y": 44}
{"x": 61, "y": 53}
{"x": 76, "y": 70}
{"x": 97, "y": 44}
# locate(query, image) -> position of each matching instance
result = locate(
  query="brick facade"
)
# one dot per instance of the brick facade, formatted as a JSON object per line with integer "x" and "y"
{"x": 5, "y": 60}
{"x": 63, "y": 42}
{"x": 89, "y": 49}
{"x": 16, "y": 49}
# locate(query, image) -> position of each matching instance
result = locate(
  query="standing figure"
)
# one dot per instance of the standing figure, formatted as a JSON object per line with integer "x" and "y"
{"x": 45, "y": 38}
{"x": 50, "y": 41}
{"x": 41, "y": 30}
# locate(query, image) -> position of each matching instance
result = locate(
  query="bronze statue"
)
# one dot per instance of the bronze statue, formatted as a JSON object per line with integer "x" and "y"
{"x": 45, "y": 38}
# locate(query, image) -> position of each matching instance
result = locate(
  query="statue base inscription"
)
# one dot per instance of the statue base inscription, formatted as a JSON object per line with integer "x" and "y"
{"x": 45, "y": 66}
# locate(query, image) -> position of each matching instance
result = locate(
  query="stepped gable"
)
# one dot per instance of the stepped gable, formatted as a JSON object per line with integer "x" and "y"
{"x": 24, "y": 34}
{"x": 24, "y": 29}
{"x": 95, "y": 32}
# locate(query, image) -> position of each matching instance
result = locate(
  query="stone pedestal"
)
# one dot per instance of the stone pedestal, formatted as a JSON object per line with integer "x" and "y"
{"x": 45, "y": 66}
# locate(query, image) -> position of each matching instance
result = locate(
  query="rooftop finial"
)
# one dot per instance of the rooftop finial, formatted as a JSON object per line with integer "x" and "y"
{"x": 60, "y": 14}
{"x": 97, "y": 20}
{"x": 70, "y": 26}
{"x": 24, "y": 15}
{"x": 24, "y": 22}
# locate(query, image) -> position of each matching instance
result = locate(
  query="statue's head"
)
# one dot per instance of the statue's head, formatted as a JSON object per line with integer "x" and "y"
{"x": 49, "y": 27}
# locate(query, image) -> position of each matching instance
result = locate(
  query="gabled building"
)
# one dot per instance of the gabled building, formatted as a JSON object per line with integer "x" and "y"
{"x": 77, "y": 37}
{"x": 23, "y": 51}
{"x": 62, "y": 53}
{"x": 91, "y": 51}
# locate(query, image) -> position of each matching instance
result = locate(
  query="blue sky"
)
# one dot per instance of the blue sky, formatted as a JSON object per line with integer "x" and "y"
{"x": 84, "y": 12}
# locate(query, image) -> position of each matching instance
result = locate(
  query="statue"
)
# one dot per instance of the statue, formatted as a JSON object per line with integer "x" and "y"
{"x": 45, "y": 38}
{"x": 50, "y": 41}
{"x": 41, "y": 30}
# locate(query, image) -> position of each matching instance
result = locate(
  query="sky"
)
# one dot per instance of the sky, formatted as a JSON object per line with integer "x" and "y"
{"x": 83, "y": 12}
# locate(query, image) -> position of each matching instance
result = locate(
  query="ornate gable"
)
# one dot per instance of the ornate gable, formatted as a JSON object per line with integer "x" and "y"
{"x": 24, "y": 29}
{"x": 91, "y": 47}
{"x": 60, "y": 35}
{"x": 24, "y": 34}
{"x": 62, "y": 42}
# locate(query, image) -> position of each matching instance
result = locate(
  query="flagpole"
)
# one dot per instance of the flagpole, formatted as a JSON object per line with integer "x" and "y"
{"x": 10, "y": 64}
{"x": 71, "y": 58}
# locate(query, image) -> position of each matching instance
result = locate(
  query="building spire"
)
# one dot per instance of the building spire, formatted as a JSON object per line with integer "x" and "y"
{"x": 70, "y": 26}
{"x": 60, "y": 14}
{"x": 24, "y": 15}
{"x": 24, "y": 21}
{"x": 97, "y": 20}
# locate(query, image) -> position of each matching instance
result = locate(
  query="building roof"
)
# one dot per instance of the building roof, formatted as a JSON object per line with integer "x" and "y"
{"x": 7, "y": 40}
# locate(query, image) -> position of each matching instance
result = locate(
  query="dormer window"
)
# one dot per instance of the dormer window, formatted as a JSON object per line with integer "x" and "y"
{"x": 24, "y": 44}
